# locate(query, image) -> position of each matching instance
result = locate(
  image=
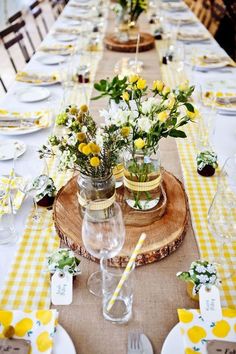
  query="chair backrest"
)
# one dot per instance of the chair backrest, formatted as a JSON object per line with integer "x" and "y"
{"x": 37, "y": 13}
{"x": 56, "y": 8}
{"x": 18, "y": 18}
{"x": 16, "y": 38}
{"x": 3, "y": 85}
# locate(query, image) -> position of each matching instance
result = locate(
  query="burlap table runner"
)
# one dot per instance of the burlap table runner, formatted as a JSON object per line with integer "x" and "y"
{"x": 158, "y": 293}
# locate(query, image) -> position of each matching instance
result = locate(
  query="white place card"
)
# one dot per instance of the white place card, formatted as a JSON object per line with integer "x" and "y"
{"x": 210, "y": 307}
{"x": 61, "y": 288}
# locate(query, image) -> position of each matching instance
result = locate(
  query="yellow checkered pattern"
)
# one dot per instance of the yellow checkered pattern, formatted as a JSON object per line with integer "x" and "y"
{"x": 27, "y": 286}
{"x": 200, "y": 190}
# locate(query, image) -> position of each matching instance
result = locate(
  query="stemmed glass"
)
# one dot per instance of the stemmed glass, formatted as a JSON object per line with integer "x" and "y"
{"x": 222, "y": 217}
{"x": 31, "y": 175}
{"x": 103, "y": 234}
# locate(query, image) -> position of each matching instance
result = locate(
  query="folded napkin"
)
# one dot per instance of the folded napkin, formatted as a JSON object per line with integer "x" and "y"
{"x": 196, "y": 331}
{"x": 192, "y": 36}
{"x": 184, "y": 21}
{"x": 35, "y": 78}
{"x": 17, "y": 198}
{"x": 37, "y": 326}
{"x": 57, "y": 48}
{"x": 215, "y": 59}
{"x": 70, "y": 30}
{"x": 24, "y": 120}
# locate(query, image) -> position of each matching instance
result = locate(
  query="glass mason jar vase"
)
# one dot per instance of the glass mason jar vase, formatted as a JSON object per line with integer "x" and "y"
{"x": 96, "y": 193}
{"x": 142, "y": 180}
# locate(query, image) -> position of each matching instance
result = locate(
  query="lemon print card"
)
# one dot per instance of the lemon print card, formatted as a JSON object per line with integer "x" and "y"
{"x": 196, "y": 331}
{"x": 38, "y": 327}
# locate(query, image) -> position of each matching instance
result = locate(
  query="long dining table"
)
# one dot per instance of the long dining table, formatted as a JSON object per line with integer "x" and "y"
{"x": 157, "y": 291}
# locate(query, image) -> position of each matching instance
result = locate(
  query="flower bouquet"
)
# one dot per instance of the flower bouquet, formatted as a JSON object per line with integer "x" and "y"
{"x": 63, "y": 260}
{"x": 143, "y": 117}
{"x": 90, "y": 150}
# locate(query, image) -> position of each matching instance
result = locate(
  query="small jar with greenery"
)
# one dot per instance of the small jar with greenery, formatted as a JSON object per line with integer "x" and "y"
{"x": 200, "y": 273}
{"x": 46, "y": 197}
{"x": 63, "y": 260}
{"x": 206, "y": 163}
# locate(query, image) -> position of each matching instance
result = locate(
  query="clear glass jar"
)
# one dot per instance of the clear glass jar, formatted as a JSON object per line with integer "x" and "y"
{"x": 142, "y": 180}
{"x": 96, "y": 193}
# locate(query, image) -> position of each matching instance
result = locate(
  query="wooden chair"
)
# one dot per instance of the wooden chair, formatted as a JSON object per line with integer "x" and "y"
{"x": 56, "y": 7}
{"x": 16, "y": 38}
{"x": 37, "y": 13}
{"x": 18, "y": 18}
{"x": 3, "y": 85}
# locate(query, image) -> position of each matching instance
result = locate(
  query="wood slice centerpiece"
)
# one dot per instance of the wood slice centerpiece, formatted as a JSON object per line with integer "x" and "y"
{"x": 147, "y": 42}
{"x": 164, "y": 235}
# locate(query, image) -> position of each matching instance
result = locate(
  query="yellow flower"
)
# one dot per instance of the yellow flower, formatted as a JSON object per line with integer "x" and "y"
{"x": 139, "y": 143}
{"x": 125, "y": 131}
{"x": 184, "y": 86}
{"x": 81, "y": 136}
{"x": 158, "y": 85}
{"x": 81, "y": 146}
{"x": 133, "y": 78}
{"x": 84, "y": 108}
{"x": 193, "y": 115}
{"x": 125, "y": 96}
{"x": 166, "y": 90}
{"x": 163, "y": 116}
{"x": 86, "y": 150}
{"x": 73, "y": 110}
{"x": 94, "y": 161}
{"x": 171, "y": 103}
{"x": 141, "y": 84}
{"x": 95, "y": 149}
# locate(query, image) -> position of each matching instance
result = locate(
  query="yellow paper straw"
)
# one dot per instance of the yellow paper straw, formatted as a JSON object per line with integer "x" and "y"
{"x": 126, "y": 271}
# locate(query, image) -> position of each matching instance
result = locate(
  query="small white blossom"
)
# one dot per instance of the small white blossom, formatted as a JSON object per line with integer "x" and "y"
{"x": 99, "y": 138}
{"x": 84, "y": 129}
{"x": 211, "y": 268}
{"x": 202, "y": 278}
{"x": 148, "y": 105}
{"x": 212, "y": 279}
{"x": 200, "y": 269}
{"x": 144, "y": 124}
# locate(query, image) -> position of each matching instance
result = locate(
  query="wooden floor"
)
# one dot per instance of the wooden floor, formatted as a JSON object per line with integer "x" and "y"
{"x": 6, "y": 70}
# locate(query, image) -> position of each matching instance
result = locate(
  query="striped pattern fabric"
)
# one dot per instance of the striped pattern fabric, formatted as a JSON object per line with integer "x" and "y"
{"x": 200, "y": 191}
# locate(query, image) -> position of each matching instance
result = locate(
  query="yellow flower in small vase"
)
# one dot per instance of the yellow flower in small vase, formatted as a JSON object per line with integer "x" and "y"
{"x": 166, "y": 91}
{"x": 95, "y": 149}
{"x": 81, "y": 137}
{"x": 86, "y": 150}
{"x": 133, "y": 79}
{"x": 125, "y": 96}
{"x": 94, "y": 161}
{"x": 84, "y": 108}
{"x": 158, "y": 85}
{"x": 163, "y": 116}
{"x": 141, "y": 84}
{"x": 192, "y": 115}
{"x": 184, "y": 86}
{"x": 125, "y": 131}
{"x": 139, "y": 143}
{"x": 81, "y": 146}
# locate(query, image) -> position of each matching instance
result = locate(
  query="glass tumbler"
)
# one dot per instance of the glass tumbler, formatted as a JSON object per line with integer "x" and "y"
{"x": 121, "y": 311}
{"x": 7, "y": 228}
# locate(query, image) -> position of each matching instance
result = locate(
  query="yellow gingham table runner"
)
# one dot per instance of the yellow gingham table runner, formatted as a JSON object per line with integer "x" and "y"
{"x": 27, "y": 286}
{"x": 200, "y": 190}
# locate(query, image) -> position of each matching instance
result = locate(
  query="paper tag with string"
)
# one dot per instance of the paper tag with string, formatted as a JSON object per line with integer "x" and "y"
{"x": 61, "y": 288}
{"x": 210, "y": 306}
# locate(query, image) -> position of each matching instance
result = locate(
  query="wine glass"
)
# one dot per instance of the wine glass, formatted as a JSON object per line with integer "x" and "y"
{"x": 31, "y": 175}
{"x": 222, "y": 216}
{"x": 103, "y": 234}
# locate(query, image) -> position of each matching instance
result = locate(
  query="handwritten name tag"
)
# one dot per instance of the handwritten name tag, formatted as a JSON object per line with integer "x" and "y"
{"x": 210, "y": 306}
{"x": 221, "y": 347}
{"x": 61, "y": 288}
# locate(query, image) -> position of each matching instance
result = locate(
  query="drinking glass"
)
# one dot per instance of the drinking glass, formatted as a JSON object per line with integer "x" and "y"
{"x": 103, "y": 234}
{"x": 222, "y": 216}
{"x": 31, "y": 175}
{"x": 121, "y": 310}
{"x": 7, "y": 227}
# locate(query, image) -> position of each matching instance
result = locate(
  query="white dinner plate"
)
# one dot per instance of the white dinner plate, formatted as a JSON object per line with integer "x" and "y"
{"x": 11, "y": 148}
{"x": 211, "y": 66}
{"x": 35, "y": 94}
{"x": 51, "y": 59}
{"x": 65, "y": 37}
{"x": 62, "y": 342}
{"x": 174, "y": 342}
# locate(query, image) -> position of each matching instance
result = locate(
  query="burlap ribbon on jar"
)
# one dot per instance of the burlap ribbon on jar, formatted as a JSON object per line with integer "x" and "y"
{"x": 142, "y": 186}
{"x": 96, "y": 204}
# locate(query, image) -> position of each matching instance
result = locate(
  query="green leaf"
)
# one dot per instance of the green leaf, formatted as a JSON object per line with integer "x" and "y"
{"x": 177, "y": 133}
{"x": 189, "y": 107}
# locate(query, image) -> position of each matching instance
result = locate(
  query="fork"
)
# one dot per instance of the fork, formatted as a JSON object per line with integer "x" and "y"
{"x": 134, "y": 343}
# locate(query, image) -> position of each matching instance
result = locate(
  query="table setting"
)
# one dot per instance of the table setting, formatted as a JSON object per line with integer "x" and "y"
{"x": 117, "y": 188}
